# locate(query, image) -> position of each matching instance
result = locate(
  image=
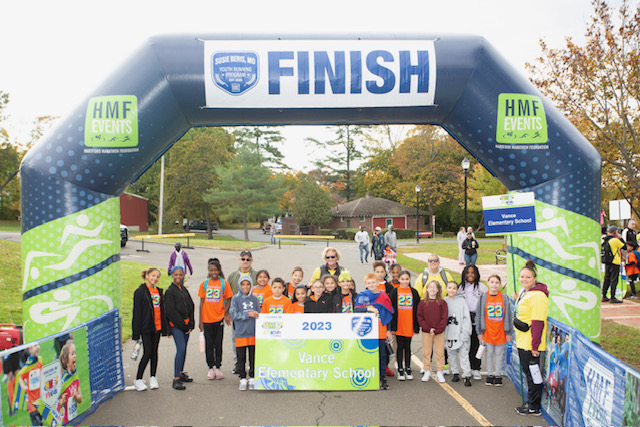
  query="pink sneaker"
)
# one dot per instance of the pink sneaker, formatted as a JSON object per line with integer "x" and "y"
{"x": 219, "y": 374}
{"x": 211, "y": 375}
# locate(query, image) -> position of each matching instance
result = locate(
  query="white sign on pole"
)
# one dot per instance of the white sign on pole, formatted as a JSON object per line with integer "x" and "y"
{"x": 619, "y": 210}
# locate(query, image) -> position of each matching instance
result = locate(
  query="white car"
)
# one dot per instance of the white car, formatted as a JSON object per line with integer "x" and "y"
{"x": 124, "y": 235}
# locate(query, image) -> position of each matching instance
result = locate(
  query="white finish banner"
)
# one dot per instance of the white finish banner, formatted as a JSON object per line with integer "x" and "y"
{"x": 319, "y": 73}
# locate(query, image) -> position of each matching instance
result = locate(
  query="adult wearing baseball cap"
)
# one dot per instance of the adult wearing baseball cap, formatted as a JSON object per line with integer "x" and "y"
{"x": 377, "y": 244}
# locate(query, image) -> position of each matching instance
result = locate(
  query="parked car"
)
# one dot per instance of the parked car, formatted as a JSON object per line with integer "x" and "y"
{"x": 124, "y": 235}
{"x": 266, "y": 229}
{"x": 278, "y": 228}
{"x": 198, "y": 224}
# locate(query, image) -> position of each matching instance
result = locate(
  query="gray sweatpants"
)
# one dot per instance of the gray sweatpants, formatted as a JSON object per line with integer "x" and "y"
{"x": 495, "y": 359}
{"x": 463, "y": 353}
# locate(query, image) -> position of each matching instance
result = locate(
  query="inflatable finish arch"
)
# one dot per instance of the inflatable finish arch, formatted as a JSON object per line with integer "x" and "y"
{"x": 72, "y": 179}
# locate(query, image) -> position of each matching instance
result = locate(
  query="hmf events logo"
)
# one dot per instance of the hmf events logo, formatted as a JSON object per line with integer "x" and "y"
{"x": 111, "y": 123}
{"x": 272, "y": 328}
{"x": 319, "y": 73}
{"x": 361, "y": 325}
{"x": 521, "y": 120}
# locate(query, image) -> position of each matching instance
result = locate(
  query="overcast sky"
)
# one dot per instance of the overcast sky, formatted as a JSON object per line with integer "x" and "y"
{"x": 54, "y": 53}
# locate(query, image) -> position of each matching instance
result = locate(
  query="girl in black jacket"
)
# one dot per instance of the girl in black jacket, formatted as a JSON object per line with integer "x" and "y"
{"x": 148, "y": 323}
{"x": 179, "y": 308}
{"x": 318, "y": 301}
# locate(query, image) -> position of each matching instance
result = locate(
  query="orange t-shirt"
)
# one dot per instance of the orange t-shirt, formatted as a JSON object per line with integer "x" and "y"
{"x": 494, "y": 319}
{"x": 245, "y": 342}
{"x": 262, "y": 293}
{"x": 382, "y": 331}
{"x": 279, "y": 305}
{"x": 213, "y": 300}
{"x": 347, "y": 303}
{"x": 405, "y": 312}
{"x": 297, "y": 308}
{"x": 155, "y": 299}
{"x": 382, "y": 287}
{"x": 394, "y": 284}
{"x": 290, "y": 290}
{"x": 31, "y": 375}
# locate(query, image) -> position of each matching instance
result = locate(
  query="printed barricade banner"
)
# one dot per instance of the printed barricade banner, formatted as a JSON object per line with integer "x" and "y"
{"x": 317, "y": 352}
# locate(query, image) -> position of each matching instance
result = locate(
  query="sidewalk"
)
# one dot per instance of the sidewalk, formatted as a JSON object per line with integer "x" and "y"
{"x": 627, "y": 313}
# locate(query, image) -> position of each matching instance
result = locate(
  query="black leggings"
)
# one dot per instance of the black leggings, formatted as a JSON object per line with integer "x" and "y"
{"x": 403, "y": 353}
{"x": 150, "y": 352}
{"x": 213, "y": 333}
{"x": 475, "y": 363}
{"x": 242, "y": 360}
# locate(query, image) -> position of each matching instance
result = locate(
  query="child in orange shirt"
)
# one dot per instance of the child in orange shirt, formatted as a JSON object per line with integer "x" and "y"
{"x": 277, "y": 302}
{"x": 215, "y": 295}
{"x": 262, "y": 290}
{"x": 495, "y": 328}
{"x": 296, "y": 278}
{"x": 404, "y": 324}
{"x": 394, "y": 272}
{"x": 30, "y": 379}
{"x": 300, "y": 295}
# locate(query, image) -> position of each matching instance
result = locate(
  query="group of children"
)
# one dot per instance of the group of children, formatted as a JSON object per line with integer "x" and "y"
{"x": 447, "y": 323}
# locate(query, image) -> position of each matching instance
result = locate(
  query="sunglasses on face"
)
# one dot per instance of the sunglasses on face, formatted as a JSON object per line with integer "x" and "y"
{"x": 330, "y": 256}
{"x": 434, "y": 260}
{"x": 245, "y": 259}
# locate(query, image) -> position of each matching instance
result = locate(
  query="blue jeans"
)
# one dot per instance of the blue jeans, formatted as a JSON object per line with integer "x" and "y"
{"x": 181, "y": 339}
{"x": 470, "y": 259}
{"x": 365, "y": 249}
{"x": 382, "y": 355}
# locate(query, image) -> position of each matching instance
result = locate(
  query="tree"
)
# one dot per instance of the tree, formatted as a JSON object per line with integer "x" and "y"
{"x": 248, "y": 189}
{"x": 311, "y": 204}
{"x": 598, "y": 87}
{"x": 340, "y": 154}
{"x": 263, "y": 141}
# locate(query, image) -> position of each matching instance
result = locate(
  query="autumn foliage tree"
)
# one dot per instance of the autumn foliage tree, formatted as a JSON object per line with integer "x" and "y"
{"x": 598, "y": 87}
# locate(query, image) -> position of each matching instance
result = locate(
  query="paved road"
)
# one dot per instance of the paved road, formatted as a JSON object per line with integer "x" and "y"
{"x": 221, "y": 403}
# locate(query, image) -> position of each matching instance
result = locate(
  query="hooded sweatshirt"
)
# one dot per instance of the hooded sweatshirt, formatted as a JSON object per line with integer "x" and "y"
{"x": 458, "y": 328}
{"x": 532, "y": 308}
{"x": 241, "y": 305}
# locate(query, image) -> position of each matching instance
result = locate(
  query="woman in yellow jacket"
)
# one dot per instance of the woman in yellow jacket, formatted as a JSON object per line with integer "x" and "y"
{"x": 530, "y": 322}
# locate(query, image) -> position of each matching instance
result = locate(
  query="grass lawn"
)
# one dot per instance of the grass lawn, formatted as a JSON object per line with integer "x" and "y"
{"x": 621, "y": 341}
{"x": 200, "y": 239}
{"x": 10, "y": 225}
{"x": 486, "y": 250}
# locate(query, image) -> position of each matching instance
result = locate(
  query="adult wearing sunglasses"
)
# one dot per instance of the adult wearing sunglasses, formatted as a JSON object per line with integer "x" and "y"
{"x": 330, "y": 256}
{"x": 433, "y": 271}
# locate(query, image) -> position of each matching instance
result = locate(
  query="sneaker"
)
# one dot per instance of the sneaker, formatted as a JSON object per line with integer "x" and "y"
{"x": 185, "y": 378}
{"x": 440, "y": 377}
{"x": 389, "y": 372}
{"x": 243, "y": 384}
{"x": 153, "y": 383}
{"x": 476, "y": 375}
{"x": 489, "y": 380}
{"x": 252, "y": 384}
{"x": 525, "y": 410}
{"x": 467, "y": 382}
{"x": 409, "y": 374}
{"x": 211, "y": 375}
{"x": 219, "y": 375}
{"x": 140, "y": 385}
{"x": 455, "y": 378}
{"x": 177, "y": 385}
{"x": 234, "y": 371}
{"x": 426, "y": 377}
{"x": 604, "y": 299}
{"x": 445, "y": 371}
{"x": 401, "y": 375}
{"x": 497, "y": 381}
{"x": 383, "y": 384}
{"x": 615, "y": 301}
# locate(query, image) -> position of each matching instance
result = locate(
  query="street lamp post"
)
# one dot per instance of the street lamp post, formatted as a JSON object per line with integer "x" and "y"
{"x": 465, "y": 166}
{"x": 417, "y": 213}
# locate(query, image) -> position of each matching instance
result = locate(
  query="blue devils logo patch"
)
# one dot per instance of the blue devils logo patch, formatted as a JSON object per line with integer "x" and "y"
{"x": 235, "y": 72}
{"x": 361, "y": 325}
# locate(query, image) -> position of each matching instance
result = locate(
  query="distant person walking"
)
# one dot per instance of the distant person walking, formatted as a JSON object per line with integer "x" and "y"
{"x": 181, "y": 259}
{"x": 391, "y": 238}
{"x": 470, "y": 246}
{"x": 629, "y": 233}
{"x": 462, "y": 235}
{"x": 377, "y": 244}
{"x": 612, "y": 246}
{"x": 362, "y": 239}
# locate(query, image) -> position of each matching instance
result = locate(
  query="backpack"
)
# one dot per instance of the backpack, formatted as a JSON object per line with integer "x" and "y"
{"x": 206, "y": 283}
{"x": 606, "y": 254}
{"x": 442, "y": 274}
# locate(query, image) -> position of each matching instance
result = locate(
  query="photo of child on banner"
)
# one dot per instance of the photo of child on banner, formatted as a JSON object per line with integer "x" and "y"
{"x": 556, "y": 368}
{"x": 45, "y": 383}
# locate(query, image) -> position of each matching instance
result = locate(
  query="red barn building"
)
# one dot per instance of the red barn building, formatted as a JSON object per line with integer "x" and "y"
{"x": 376, "y": 212}
{"x": 133, "y": 212}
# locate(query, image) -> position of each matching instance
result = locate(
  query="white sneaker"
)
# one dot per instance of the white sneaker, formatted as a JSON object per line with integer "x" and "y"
{"x": 440, "y": 376}
{"x": 140, "y": 385}
{"x": 153, "y": 383}
{"x": 243, "y": 383}
{"x": 426, "y": 377}
{"x": 476, "y": 375}
{"x": 445, "y": 371}
{"x": 252, "y": 384}
{"x": 401, "y": 376}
